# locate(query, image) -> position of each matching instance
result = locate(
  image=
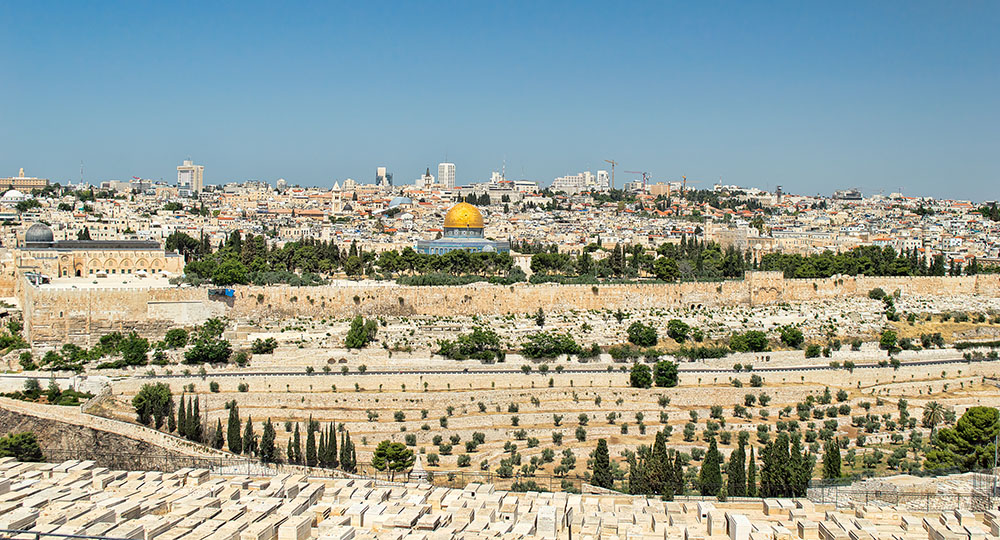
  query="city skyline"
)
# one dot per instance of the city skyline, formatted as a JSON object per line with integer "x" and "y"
{"x": 874, "y": 96}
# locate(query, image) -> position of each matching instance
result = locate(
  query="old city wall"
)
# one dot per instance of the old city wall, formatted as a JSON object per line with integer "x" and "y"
{"x": 446, "y": 301}
{"x": 82, "y": 316}
{"x": 55, "y": 315}
{"x": 758, "y": 288}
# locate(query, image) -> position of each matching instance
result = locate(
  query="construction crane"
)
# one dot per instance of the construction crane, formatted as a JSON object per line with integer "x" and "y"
{"x": 645, "y": 178}
{"x": 613, "y": 163}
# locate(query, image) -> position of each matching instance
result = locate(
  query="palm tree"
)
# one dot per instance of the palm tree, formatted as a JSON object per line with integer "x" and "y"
{"x": 933, "y": 414}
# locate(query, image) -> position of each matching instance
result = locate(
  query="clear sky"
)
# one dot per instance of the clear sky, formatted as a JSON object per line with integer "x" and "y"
{"x": 813, "y": 96}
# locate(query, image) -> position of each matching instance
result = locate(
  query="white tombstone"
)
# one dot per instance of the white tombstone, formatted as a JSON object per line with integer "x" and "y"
{"x": 738, "y": 526}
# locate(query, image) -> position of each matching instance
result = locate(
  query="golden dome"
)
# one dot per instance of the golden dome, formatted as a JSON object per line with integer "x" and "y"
{"x": 463, "y": 216}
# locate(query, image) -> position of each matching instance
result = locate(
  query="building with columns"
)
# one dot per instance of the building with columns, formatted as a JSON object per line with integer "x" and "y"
{"x": 23, "y": 183}
{"x": 39, "y": 252}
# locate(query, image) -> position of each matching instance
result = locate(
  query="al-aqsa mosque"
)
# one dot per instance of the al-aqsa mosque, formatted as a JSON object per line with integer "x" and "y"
{"x": 463, "y": 229}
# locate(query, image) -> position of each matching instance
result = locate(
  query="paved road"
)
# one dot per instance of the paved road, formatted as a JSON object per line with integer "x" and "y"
{"x": 375, "y": 373}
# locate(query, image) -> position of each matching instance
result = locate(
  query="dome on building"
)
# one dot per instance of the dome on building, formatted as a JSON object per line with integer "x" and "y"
{"x": 400, "y": 200}
{"x": 463, "y": 216}
{"x": 14, "y": 196}
{"x": 39, "y": 233}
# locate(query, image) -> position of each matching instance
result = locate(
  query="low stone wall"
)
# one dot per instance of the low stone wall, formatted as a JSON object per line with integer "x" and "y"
{"x": 66, "y": 428}
{"x": 483, "y": 378}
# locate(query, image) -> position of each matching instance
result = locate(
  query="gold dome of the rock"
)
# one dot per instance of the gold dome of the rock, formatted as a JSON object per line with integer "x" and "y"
{"x": 463, "y": 216}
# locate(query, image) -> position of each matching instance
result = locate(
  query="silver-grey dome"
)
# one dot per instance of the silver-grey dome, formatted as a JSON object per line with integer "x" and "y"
{"x": 400, "y": 200}
{"x": 38, "y": 233}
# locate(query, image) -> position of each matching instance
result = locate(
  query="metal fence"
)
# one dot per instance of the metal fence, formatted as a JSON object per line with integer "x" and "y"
{"x": 168, "y": 463}
{"x": 918, "y": 501}
{"x": 461, "y": 478}
{"x": 982, "y": 491}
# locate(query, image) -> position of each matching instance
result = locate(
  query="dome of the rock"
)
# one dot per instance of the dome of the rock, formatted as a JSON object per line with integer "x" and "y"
{"x": 463, "y": 216}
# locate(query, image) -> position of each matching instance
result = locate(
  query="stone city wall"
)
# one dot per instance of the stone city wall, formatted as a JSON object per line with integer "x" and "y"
{"x": 58, "y": 315}
{"x": 758, "y": 288}
{"x": 81, "y": 316}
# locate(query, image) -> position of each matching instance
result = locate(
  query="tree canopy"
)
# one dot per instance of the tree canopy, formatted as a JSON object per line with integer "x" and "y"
{"x": 153, "y": 402}
{"x": 21, "y": 446}
{"x": 392, "y": 456}
{"x": 967, "y": 446}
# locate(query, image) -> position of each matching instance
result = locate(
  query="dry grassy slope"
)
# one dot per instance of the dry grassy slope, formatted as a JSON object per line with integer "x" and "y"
{"x": 951, "y": 331}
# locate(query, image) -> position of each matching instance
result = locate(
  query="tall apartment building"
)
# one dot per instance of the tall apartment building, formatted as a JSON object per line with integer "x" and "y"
{"x": 603, "y": 181}
{"x": 446, "y": 175}
{"x": 383, "y": 177}
{"x": 574, "y": 183}
{"x": 190, "y": 178}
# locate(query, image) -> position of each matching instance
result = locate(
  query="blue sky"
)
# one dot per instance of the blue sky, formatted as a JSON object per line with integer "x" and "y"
{"x": 812, "y": 96}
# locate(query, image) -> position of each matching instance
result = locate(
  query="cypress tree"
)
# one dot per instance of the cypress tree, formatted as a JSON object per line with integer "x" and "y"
{"x": 774, "y": 472}
{"x": 658, "y": 466}
{"x": 290, "y": 452}
{"x": 311, "y": 458}
{"x": 796, "y": 466}
{"x": 800, "y": 469}
{"x": 736, "y": 477}
{"x": 249, "y": 439}
{"x": 189, "y": 420}
{"x": 297, "y": 446}
{"x": 669, "y": 475}
{"x": 602, "y": 466}
{"x": 233, "y": 430}
{"x": 638, "y": 481}
{"x": 831, "y": 458}
{"x": 217, "y": 440}
{"x": 333, "y": 459}
{"x": 767, "y": 473}
{"x": 345, "y": 455}
{"x": 267, "y": 443}
{"x": 751, "y": 476}
{"x": 321, "y": 449}
{"x": 678, "y": 479}
{"x": 196, "y": 431}
{"x": 171, "y": 419}
{"x": 710, "y": 476}
{"x": 348, "y": 455}
{"x": 181, "y": 419}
